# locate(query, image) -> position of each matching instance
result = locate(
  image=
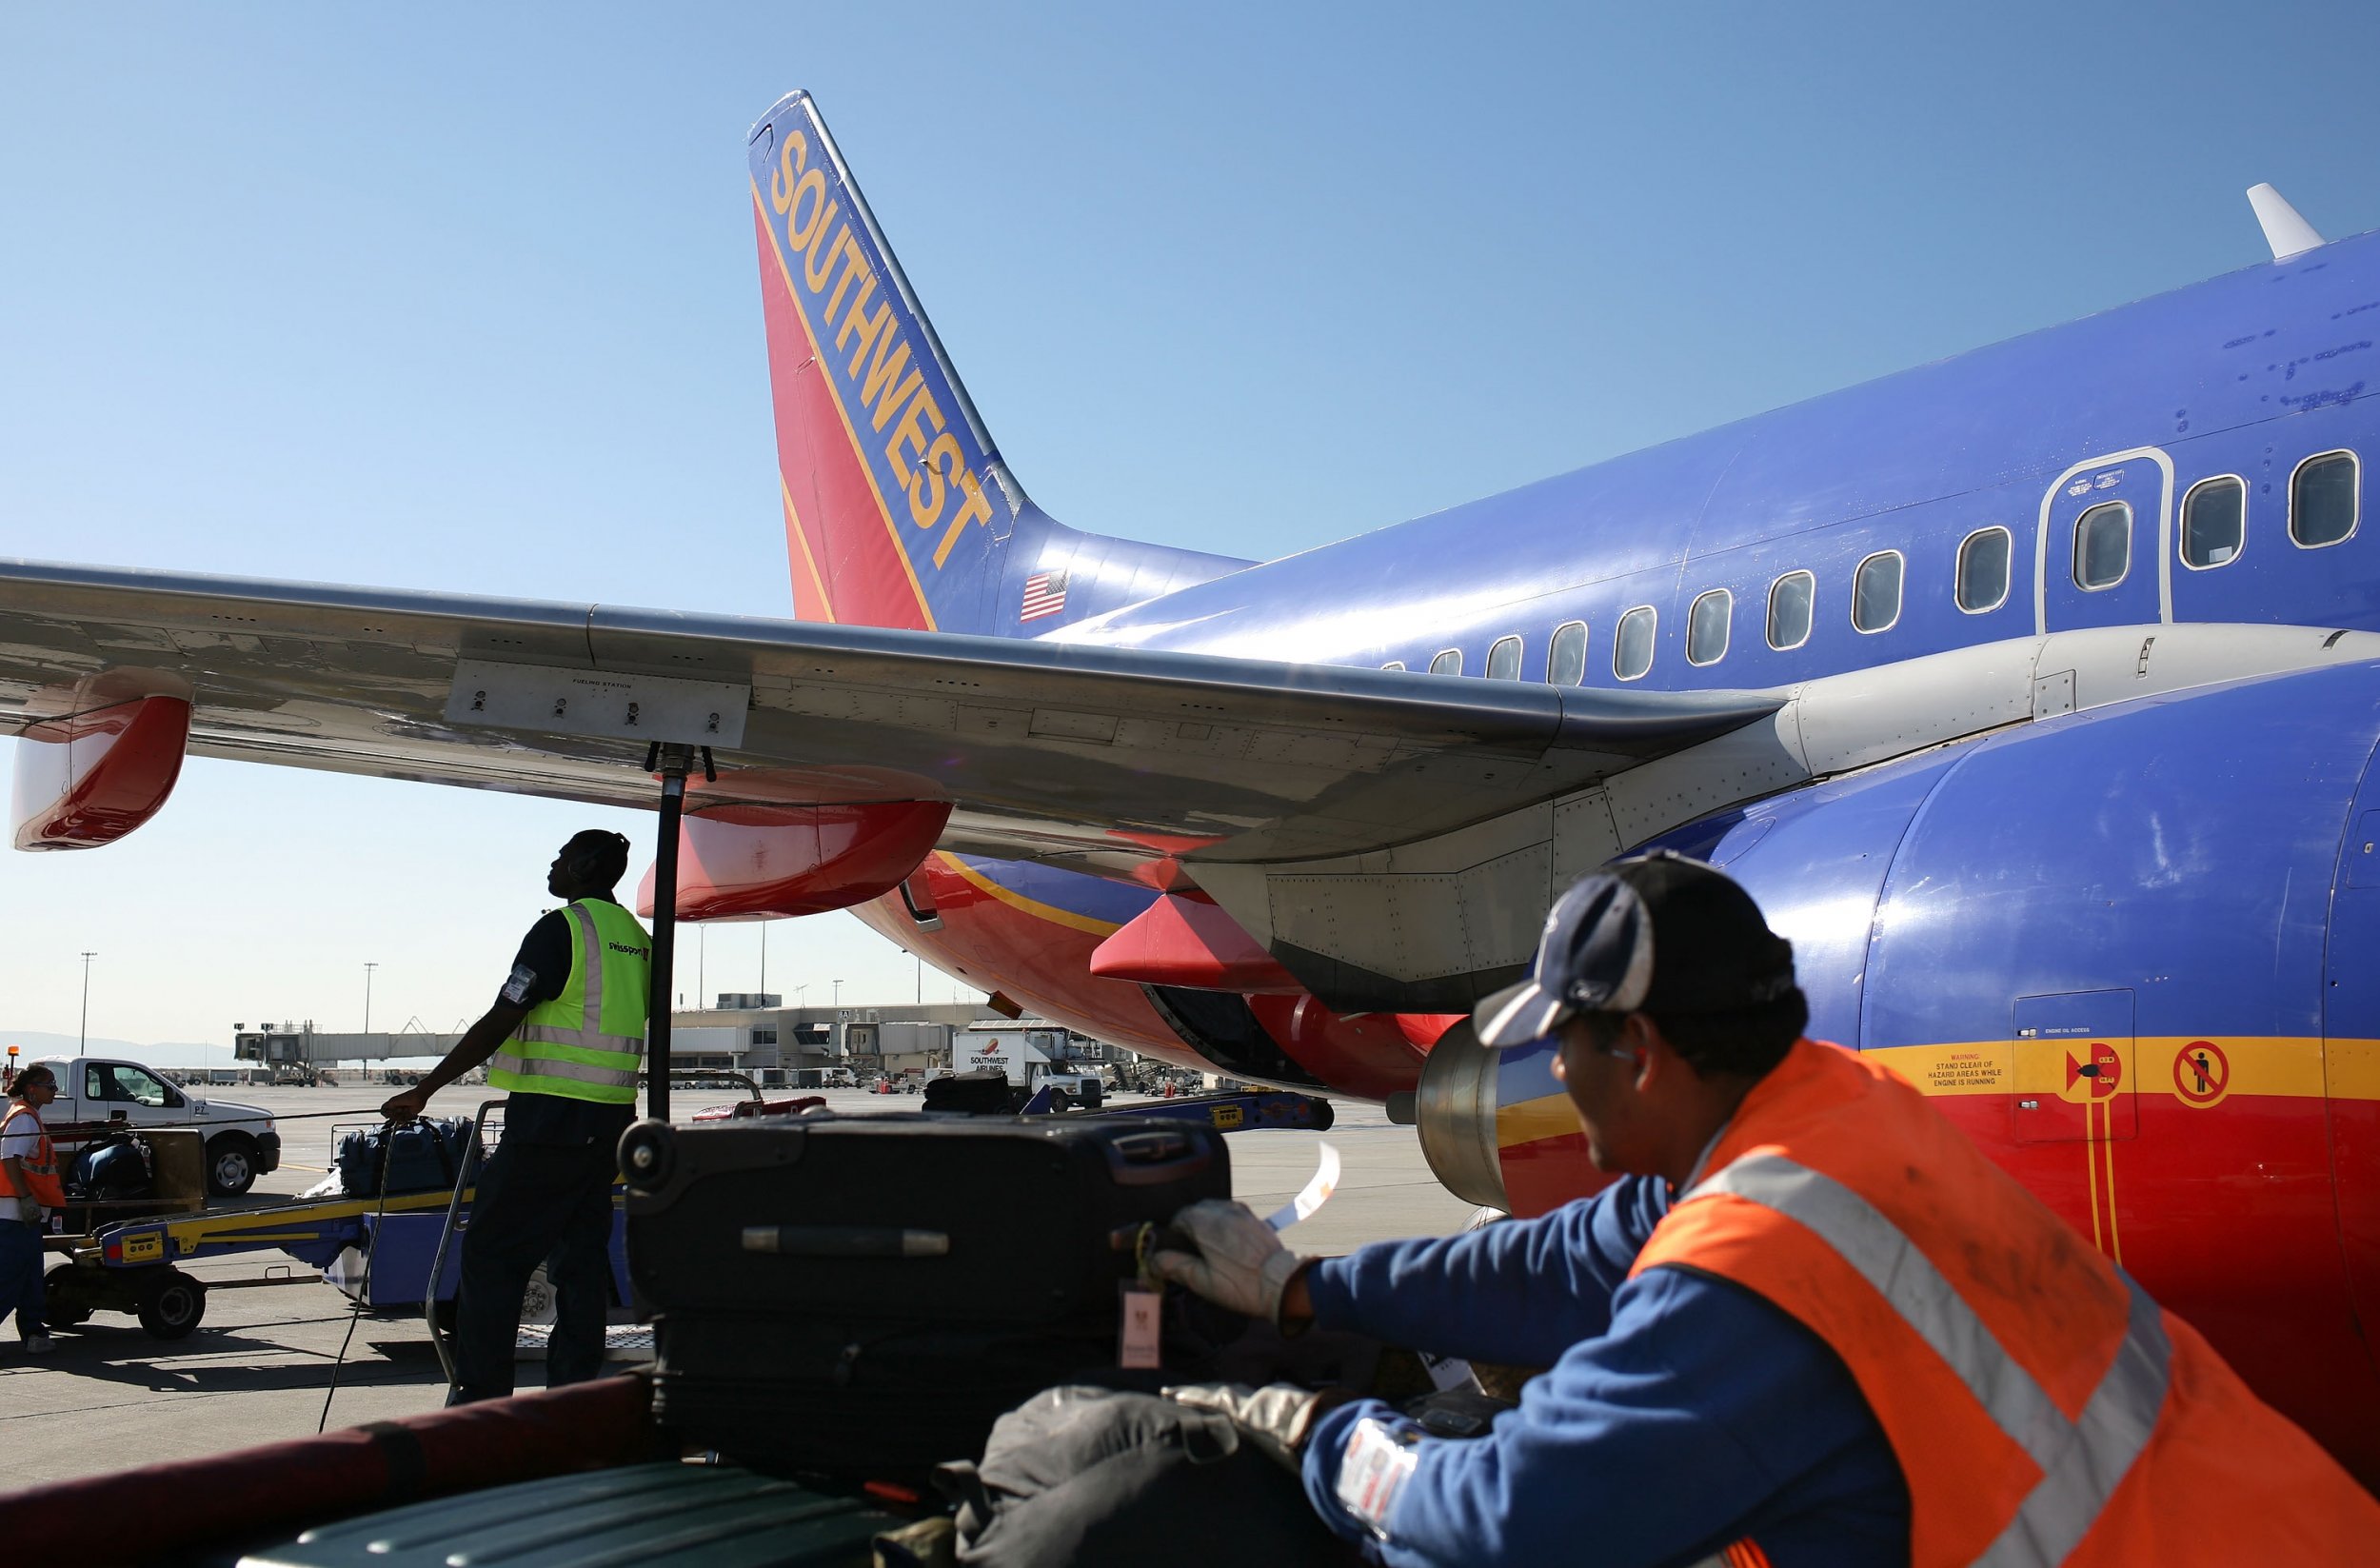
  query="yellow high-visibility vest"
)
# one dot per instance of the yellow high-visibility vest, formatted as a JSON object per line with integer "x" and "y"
{"x": 589, "y": 1043}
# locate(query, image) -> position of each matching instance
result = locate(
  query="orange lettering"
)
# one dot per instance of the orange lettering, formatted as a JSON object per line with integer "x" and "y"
{"x": 974, "y": 507}
{"x": 909, "y": 435}
{"x": 883, "y": 372}
{"x": 854, "y": 266}
{"x": 873, "y": 331}
{"x": 789, "y": 164}
{"x": 820, "y": 259}
{"x": 799, "y": 235}
{"x": 927, "y": 486}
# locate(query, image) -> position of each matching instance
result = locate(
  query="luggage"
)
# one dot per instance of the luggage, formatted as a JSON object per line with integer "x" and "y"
{"x": 423, "y": 1157}
{"x": 866, "y": 1295}
{"x": 1096, "y": 1478}
{"x": 657, "y": 1515}
{"x": 984, "y": 1092}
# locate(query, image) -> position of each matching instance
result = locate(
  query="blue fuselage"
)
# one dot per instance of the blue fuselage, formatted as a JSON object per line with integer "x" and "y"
{"x": 2247, "y": 375}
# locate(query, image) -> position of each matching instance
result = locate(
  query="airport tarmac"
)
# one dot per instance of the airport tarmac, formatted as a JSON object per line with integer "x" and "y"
{"x": 256, "y": 1369}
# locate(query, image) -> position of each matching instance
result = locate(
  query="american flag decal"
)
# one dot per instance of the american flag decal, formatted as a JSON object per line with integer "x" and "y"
{"x": 1044, "y": 594}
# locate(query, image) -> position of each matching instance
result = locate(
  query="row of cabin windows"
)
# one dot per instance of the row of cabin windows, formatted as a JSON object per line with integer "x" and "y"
{"x": 2324, "y": 503}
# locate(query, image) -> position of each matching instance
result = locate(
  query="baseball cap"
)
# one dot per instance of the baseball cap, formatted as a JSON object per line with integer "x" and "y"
{"x": 1658, "y": 933}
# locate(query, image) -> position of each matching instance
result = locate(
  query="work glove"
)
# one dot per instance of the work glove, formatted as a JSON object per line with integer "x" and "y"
{"x": 1277, "y": 1418}
{"x": 1240, "y": 1263}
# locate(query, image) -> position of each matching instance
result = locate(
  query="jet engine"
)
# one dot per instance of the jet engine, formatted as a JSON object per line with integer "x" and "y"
{"x": 101, "y": 767}
{"x": 767, "y": 862}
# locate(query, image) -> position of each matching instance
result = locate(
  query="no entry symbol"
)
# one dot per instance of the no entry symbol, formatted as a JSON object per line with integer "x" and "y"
{"x": 2202, "y": 1074}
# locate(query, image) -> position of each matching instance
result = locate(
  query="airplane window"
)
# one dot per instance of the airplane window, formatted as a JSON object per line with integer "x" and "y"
{"x": 1789, "y": 609}
{"x": 1504, "y": 658}
{"x": 1983, "y": 570}
{"x": 1632, "y": 644}
{"x": 2103, "y": 545}
{"x": 2215, "y": 521}
{"x": 1706, "y": 627}
{"x": 2323, "y": 499}
{"x": 1876, "y": 592}
{"x": 1447, "y": 663}
{"x": 1566, "y": 656}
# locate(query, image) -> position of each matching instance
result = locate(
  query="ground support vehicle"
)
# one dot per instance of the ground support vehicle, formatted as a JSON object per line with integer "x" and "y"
{"x": 96, "y": 1094}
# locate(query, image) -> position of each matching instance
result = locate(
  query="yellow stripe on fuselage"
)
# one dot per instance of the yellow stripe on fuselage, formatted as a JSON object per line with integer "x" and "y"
{"x": 2270, "y": 1066}
{"x": 1031, "y": 907}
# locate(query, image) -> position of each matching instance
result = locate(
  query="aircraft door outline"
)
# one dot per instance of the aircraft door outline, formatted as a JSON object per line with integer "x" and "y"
{"x": 2117, "y": 476}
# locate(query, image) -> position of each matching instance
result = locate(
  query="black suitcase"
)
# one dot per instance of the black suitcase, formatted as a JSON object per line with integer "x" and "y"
{"x": 865, "y": 1296}
{"x": 419, "y": 1157}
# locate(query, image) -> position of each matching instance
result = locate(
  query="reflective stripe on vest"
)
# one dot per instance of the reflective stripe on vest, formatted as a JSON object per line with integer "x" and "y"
{"x": 565, "y": 1050}
{"x": 41, "y": 1171}
{"x": 2083, "y": 1461}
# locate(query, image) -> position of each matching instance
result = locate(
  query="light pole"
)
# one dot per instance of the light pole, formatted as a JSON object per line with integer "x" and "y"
{"x": 82, "y": 1036}
{"x": 701, "y": 957}
{"x": 764, "y": 958}
{"x": 368, "y": 997}
{"x": 838, "y": 997}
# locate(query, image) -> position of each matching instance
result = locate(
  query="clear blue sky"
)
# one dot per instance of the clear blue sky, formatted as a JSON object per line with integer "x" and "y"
{"x": 464, "y": 298}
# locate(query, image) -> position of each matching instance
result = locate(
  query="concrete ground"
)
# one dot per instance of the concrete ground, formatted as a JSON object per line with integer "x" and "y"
{"x": 257, "y": 1368}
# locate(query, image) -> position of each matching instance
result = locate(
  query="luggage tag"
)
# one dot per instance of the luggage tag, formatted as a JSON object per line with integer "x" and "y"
{"x": 1140, "y": 1335}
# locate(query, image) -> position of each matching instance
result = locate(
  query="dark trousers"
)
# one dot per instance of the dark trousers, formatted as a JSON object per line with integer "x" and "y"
{"x": 20, "y": 1263}
{"x": 537, "y": 1203}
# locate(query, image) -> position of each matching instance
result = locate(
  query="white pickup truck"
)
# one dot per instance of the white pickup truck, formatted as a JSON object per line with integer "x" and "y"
{"x": 242, "y": 1142}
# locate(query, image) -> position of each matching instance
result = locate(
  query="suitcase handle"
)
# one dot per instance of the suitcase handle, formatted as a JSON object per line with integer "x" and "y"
{"x": 845, "y": 1241}
{"x": 1152, "y": 1158}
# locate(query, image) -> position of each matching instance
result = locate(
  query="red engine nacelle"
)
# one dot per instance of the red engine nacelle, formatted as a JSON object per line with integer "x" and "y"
{"x": 749, "y": 862}
{"x": 90, "y": 777}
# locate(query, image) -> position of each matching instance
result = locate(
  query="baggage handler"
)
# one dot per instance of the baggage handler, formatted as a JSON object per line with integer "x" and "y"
{"x": 566, "y": 1038}
{"x": 29, "y": 1188}
{"x": 1810, "y": 1323}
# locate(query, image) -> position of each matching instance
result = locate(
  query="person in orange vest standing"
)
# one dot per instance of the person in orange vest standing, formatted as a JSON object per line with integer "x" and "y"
{"x": 29, "y": 1173}
{"x": 1810, "y": 1323}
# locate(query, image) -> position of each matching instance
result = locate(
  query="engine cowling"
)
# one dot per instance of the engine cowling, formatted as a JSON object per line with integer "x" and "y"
{"x": 93, "y": 774}
{"x": 757, "y": 862}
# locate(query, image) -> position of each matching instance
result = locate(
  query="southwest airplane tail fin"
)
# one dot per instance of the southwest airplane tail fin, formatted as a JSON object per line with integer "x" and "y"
{"x": 899, "y": 508}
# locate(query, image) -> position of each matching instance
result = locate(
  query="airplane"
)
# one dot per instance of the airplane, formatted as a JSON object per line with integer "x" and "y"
{"x": 2034, "y": 694}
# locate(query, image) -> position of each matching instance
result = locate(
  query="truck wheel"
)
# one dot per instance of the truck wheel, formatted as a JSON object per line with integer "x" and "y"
{"x": 61, "y": 1307}
{"x": 230, "y": 1165}
{"x": 1059, "y": 1103}
{"x": 174, "y": 1307}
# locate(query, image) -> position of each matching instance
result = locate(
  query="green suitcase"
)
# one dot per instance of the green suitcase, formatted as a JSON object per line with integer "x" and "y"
{"x": 656, "y": 1516}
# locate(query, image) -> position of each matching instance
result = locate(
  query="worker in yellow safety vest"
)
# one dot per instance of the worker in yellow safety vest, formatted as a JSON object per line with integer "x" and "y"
{"x": 28, "y": 1190}
{"x": 566, "y": 1039}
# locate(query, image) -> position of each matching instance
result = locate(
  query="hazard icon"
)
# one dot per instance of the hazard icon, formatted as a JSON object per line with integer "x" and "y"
{"x": 2202, "y": 1074}
{"x": 2102, "y": 1071}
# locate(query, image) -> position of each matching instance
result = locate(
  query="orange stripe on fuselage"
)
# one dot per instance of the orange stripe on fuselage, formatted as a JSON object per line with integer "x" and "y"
{"x": 842, "y": 415}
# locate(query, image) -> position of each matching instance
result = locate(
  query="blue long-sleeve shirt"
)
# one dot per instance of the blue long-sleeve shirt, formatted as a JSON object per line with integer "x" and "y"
{"x": 1681, "y": 1412}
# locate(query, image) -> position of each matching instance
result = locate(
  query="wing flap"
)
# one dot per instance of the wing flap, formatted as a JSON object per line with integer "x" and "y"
{"x": 1077, "y": 747}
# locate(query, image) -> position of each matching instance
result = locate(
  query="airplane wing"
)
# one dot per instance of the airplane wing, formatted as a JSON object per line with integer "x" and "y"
{"x": 1065, "y": 752}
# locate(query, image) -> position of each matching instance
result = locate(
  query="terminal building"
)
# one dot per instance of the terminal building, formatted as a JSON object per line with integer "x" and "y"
{"x": 747, "y": 1032}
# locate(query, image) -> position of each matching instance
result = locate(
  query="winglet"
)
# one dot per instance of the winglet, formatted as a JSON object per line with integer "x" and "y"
{"x": 2288, "y": 233}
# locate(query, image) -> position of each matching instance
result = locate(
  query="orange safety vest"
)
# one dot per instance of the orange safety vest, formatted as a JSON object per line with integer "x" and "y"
{"x": 41, "y": 1172}
{"x": 2043, "y": 1409}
